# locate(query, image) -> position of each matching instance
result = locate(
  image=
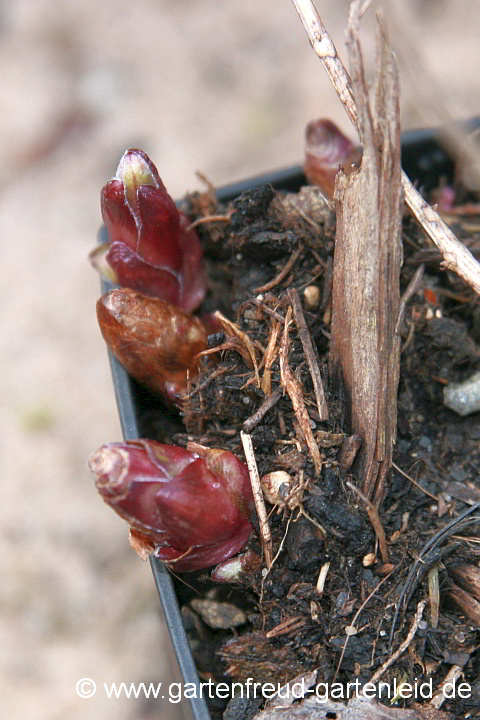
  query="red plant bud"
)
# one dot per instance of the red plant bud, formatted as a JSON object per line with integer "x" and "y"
{"x": 156, "y": 342}
{"x": 326, "y": 150}
{"x": 192, "y": 510}
{"x": 149, "y": 248}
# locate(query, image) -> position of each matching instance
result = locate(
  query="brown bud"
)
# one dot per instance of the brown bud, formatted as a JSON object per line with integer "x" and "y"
{"x": 155, "y": 341}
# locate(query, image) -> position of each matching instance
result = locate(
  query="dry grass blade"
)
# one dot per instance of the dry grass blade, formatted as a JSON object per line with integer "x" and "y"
{"x": 434, "y": 596}
{"x": 270, "y": 355}
{"x": 456, "y": 256}
{"x": 234, "y": 331}
{"x": 376, "y": 522}
{"x": 265, "y": 534}
{"x": 294, "y": 390}
{"x": 308, "y": 348}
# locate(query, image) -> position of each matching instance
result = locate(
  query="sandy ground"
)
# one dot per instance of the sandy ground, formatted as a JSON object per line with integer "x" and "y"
{"x": 225, "y": 88}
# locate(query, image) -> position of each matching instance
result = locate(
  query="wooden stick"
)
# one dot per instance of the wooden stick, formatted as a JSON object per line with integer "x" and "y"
{"x": 456, "y": 257}
{"x": 265, "y": 534}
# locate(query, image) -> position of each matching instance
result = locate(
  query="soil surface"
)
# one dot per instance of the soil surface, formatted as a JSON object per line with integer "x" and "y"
{"x": 275, "y": 253}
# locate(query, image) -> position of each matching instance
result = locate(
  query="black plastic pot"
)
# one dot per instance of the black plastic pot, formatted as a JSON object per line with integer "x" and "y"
{"x": 425, "y": 162}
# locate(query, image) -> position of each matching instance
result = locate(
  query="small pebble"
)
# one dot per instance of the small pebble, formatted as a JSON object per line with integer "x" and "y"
{"x": 463, "y": 398}
{"x": 425, "y": 442}
{"x": 219, "y": 615}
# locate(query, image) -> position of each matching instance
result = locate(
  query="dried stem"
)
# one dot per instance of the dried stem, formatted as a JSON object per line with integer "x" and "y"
{"x": 375, "y": 520}
{"x": 355, "y": 618}
{"x": 456, "y": 257}
{"x": 294, "y": 390}
{"x": 411, "y": 634}
{"x": 308, "y": 348}
{"x": 281, "y": 275}
{"x": 265, "y": 535}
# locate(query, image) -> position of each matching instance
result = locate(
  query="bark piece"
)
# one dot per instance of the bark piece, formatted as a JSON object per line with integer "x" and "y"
{"x": 254, "y": 655}
{"x": 464, "y": 603}
{"x": 364, "y": 355}
{"x": 467, "y": 576}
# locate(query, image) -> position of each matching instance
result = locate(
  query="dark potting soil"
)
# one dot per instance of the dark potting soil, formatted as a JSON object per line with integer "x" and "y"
{"x": 269, "y": 246}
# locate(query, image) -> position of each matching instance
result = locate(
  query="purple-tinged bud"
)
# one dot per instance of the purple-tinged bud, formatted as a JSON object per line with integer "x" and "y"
{"x": 192, "y": 508}
{"x": 326, "y": 150}
{"x": 149, "y": 247}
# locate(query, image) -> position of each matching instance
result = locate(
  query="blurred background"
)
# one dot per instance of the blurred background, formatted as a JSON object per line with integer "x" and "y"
{"x": 222, "y": 88}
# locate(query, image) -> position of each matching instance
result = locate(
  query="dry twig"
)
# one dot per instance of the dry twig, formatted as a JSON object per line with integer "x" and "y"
{"x": 375, "y": 520}
{"x": 414, "y": 482}
{"x": 294, "y": 390}
{"x": 307, "y": 344}
{"x": 282, "y": 274}
{"x": 265, "y": 535}
{"x": 267, "y": 405}
{"x": 235, "y": 332}
{"x": 411, "y": 634}
{"x": 456, "y": 257}
{"x": 414, "y": 285}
